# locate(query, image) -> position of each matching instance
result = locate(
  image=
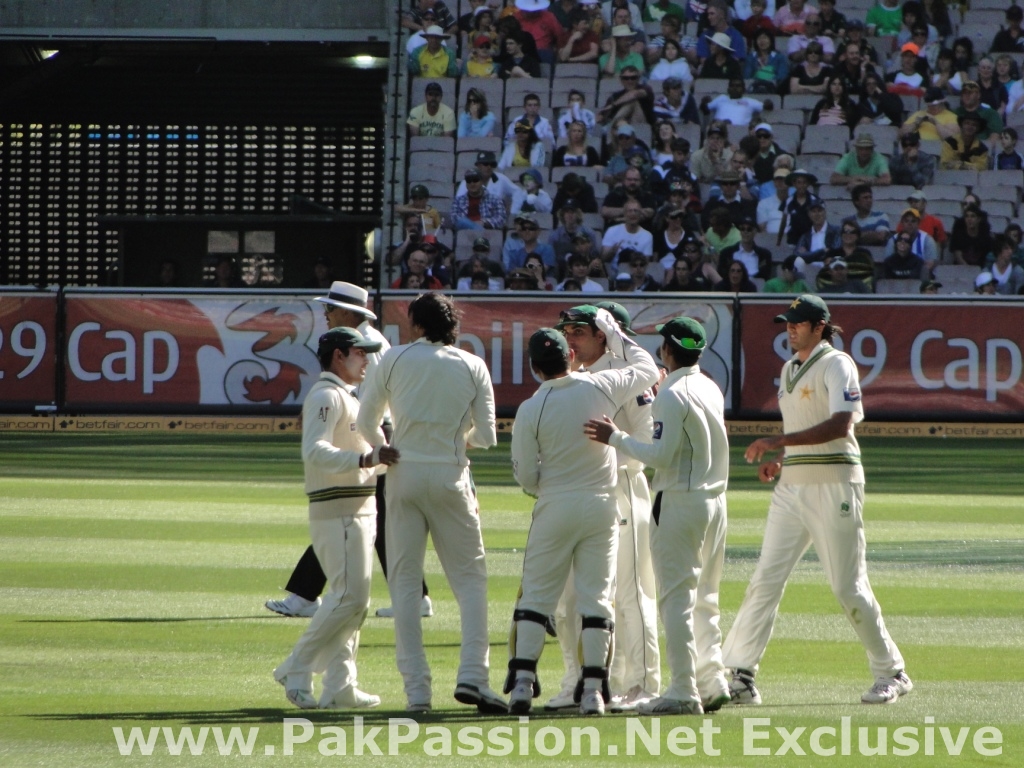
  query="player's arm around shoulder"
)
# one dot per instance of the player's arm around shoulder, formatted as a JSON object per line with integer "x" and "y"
{"x": 373, "y": 400}
{"x": 668, "y": 413}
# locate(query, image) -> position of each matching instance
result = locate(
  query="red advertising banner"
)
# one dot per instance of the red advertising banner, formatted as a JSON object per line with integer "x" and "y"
{"x": 959, "y": 359}
{"x": 28, "y": 323}
{"x": 497, "y": 329}
{"x": 153, "y": 351}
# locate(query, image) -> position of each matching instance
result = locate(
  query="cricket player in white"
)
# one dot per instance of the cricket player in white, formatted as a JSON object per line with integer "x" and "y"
{"x": 690, "y": 455}
{"x": 340, "y": 471}
{"x": 441, "y": 400}
{"x": 636, "y": 660}
{"x": 819, "y": 500}
{"x": 575, "y": 520}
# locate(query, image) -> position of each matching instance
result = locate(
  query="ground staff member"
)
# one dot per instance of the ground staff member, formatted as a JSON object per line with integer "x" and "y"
{"x": 340, "y": 469}
{"x": 575, "y": 520}
{"x": 441, "y": 400}
{"x": 636, "y": 661}
{"x": 344, "y": 306}
{"x": 818, "y": 500}
{"x": 690, "y": 455}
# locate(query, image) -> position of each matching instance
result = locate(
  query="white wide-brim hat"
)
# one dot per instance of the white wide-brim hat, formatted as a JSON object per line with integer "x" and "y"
{"x": 348, "y": 296}
{"x": 533, "y": 5}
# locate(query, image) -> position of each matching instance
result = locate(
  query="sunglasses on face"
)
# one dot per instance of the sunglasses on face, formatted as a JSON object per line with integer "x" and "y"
{"x": 472, "y": 179}
{"x": 747, "y": 228}
{"x": 688, "y": 343}
{"x": 629, "y": 77}
{"x": 850, "y": 232}
{"x": 730, "y": 183}
{"x": 763, "y": 135}
{"x": 904, "y": 240}
{"x": 529, "y": 227}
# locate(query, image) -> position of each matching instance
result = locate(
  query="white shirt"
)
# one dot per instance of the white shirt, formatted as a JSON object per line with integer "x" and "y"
{"x": 542, "y": 128}
{"x": 641, "y": 240}
{"x": 735, "y": 111}
{"x": 500, "y": 185}
{"x": 769, "y": 213}
{"x": 680, "y": 68}
{"x": 441, "y": 399}
{"x": 817, "y": 238}
{"x": 747, "y": 258}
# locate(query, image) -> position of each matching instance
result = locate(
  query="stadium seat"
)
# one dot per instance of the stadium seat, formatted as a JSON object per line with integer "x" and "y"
{"x": 891, "y": 286}
{"x": 432, "y": 144}
{"x": 479, "y": 143}
{"x": 824, "y": 139}
{"x": 966, "y": 177}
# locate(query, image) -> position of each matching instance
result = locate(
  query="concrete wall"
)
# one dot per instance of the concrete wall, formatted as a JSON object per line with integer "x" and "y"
{"x": 221, "y": 19}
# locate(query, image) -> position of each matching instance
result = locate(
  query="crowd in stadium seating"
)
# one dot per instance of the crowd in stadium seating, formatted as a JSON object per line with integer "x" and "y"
{"x": 684, "y": 145}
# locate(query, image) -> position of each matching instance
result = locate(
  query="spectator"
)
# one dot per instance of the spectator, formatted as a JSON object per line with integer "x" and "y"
{"x": 929, "y": 287}
{"x": 521, "y": 279}
{"x": 985, "y": 284}
{"x": 713, "y": 158}
{"x": 477, "y": 120}
{"x": 441, "y": 260}
{"x": 789, "y": 19}
{"x": 884, "y": 18}
{"x": 536, "y": 266}
{"x": 614, "y": 207}
{"x": 820, "y": 237}
{"x": 682, "y": 197}
{"x": 762, "y": 162}
{"x": 1008, "y": 276}
{"x": 578, "y": 189}
{"x": 736, "y": 280}
{"x": 671, "y": 64}
{"x": 563, "y": 11}
{"x": 661, "y": 149}
{"x": 853, "y": 66}
{"x": 860, "y": 262}
{"x": 515, "y": 61}
{"x": 1015, "y": 98}
{"x": 576, "y": 151}
{"x": 480, "y": 62}
{"x": 507, "y": 25}
{"x": 797, "y": 47}
{"x": 812, "y": 73}
{"x": 541, "y": 24}
{"x": 930, "y": 225}
{"x": 634, "y": 103}
{"x": 498, "y": 184}
{"x": 628, "y": 234}
{"x": 759, "y": 20}
{"x": 523, "y": 241}
{"x": 682, "y": 277}
{"x": 755, "y": 258}
{"x": 671, "y": 239}
{"x": 729, "y": 197}
{"x": 477, "y": 208}
{"x": 733, "y": 107}
{"x": 965, "y": 150}
{"x": 412, "y": 228}
{"x": 637, "y": 278}
{"x": 720, "y": 64}
{"x": 903, "y": 263}
{"x": 417, "y": 265}
{"x": 609, "y": 10}
{"x": 856, "y": 33}
{"x": 168, "y": 277}
{"x": 1010, "y": 39}
{"x": 432, "y": 118}
{"x": 718, "y": 24}
{"x": 671, "y": 28}
{"x": 410, "y": 282}
{"x": 771, "y": 210}
{"x": 970, "y": 103}
{"x": 937, "y": 14}
{"x": 749, "y": 189}
{"x": 465, "y": 22}
{"x": 788, "y": 279}
{"x": 582, "y": 44}
{"x": 917, "y": 30}
{"x": 798, "y": 206}
{"x": 840, "y": 280}
{"x": 836, "y": 107}
{"x": 530, "y": 196}
{"x": 971, "y": 238}
{"x": 621, "y": 55}
{"x": 765, "y": 65}
{"x": 991, "y": 92}
{"x": 1016, "y": 234}
{"x": 622, "y": 17}
{"x": 659, "y": 10}
{"x": 877, "y": 105}
{"x": 413, "y": 19}
{"x": 419, "y": 205}
{"x": 576, "y": 112}
{"x": 526, "y": 150}
{"x": 1009, "y": 157}
{"x": 433, "y": 58}
{"x": 936, "y": 122}
{"x": 833, "y": 23}
{"x": 629, "y": 152}
{"x": 922, "y": 245}
{"x": 721, "y": 233}
{"x": 908, "y": 79}
{"x": 478, "y": 281}
{"x": 480, "y": 261}
{"x": 873, "y": 226}
{"x": 1006, "y": 70}
{"x": 946, "y": 77}
{"x": 863, "y": 165}
{"x": 912, "y": 166}
{"x": 676, "y": 103}
{"x": 531, "y": 114}
{"x": 570, "y": 226}
{"x": 579, "y": 274}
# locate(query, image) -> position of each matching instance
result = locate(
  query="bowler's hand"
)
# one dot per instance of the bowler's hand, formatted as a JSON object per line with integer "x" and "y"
{"x": 599, "y": 430}
{"x": 757, "y": 449}
{"x": 769, "y": 470}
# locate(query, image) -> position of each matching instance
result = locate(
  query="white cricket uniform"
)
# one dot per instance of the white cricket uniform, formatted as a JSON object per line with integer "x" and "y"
{"x": 342, "y": 525}
{"x": 636, "y": 658}
{"x": 441, "y": 399}
{"x": 819, "y": 499}
{"x": 575, "y": 520}
{"x": 690, "y": 455}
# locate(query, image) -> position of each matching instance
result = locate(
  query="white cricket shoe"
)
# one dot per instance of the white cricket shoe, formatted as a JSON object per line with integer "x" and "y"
{"x": 521, "y": 700}
{"x": 301, "y": 699}
{"x": 564, "y": 699}
{"x": 663, "y": 705}
{"x": 350, "y": 698}
{"x": 486, "y": 701}
{"x": 886, "y": 690}
{"x": 294, "y": 606}
{"x": 591, "y": 702}
{"x": 629, "y": 701}
{"x": 426, "y": 610}
{"x": 742, "y": 690}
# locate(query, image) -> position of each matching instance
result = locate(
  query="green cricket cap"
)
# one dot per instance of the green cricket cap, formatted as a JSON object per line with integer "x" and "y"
{"x": 345, "y": 338}
{"x": 548, "y": 345}
{"x": 621, "y": 315}
{"x": 584, "y": 314}
{"x": 684, "y": 332}
{"x": 804, "y": 308}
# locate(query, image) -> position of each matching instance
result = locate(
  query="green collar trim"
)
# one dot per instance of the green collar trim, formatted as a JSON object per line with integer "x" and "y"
{"x": 792, "y": 380}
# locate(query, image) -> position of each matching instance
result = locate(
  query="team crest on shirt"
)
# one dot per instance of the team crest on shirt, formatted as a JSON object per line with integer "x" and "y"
{"x": 851, "y": 395}
{"x": 658, "y": 425}
{"x": 844, "y": 509}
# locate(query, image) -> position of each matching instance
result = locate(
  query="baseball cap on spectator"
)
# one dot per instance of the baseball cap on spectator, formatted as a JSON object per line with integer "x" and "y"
{"x": 532, "y": 5}
{"x": 1015, "y": 13}
{"x": 429, "y": 240}
{"x": 865, "y": 140}
{"x": 927, "y": 285}
{"x": 716, "y": 128}
{"x": 486, "y": 158}
{"x": 983, "y": 279}
{"x": 917, "y": 194}
{"x": 526, "y": 216}
{"x": 839, "y": 264}
{"x": 625, "y": 130}
{"x": 570, "y": 204}
{"x": 910, "y": 48}
{"x": 581, "y": 237}
{"x": 747, "y": 221}
{"x": 433, "y": 88}
{"x": 854, "y": 24}
{"x": 972, "y": 115}
{"x": 763, "y": 127}
{"x": 934, "y": 96}
{"x": 547, "y": 345}
{"x": 679, "y": 144}
{"x": 521, "y": 274}
{"x": 910, "y": 139}
{"x": 912, "y": 211}
{"x": 623, "y": 277}
{"x": 419, "y": 191}
{"x": 792, "y": 175}
{"x": 621, "y": 315}
{"x": 533, "y": 174}
{"x": 481, "y": 41}
{"x": 805, "y": 308}
{"x": 482, "y": 244}
{"x": 781, "y": 173}
{"x": 675, "y": 186}
{"x": 684, "y": 333}
{"x": 473, "y": 175}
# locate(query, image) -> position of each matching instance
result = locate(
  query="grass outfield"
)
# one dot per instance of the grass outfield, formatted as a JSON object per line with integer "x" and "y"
{"x": 133, "y": 571}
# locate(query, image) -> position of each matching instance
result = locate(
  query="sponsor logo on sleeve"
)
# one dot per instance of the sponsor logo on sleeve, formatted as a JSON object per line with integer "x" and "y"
{"x": 851, "y": 395}
{"x": 658, "y": 425}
